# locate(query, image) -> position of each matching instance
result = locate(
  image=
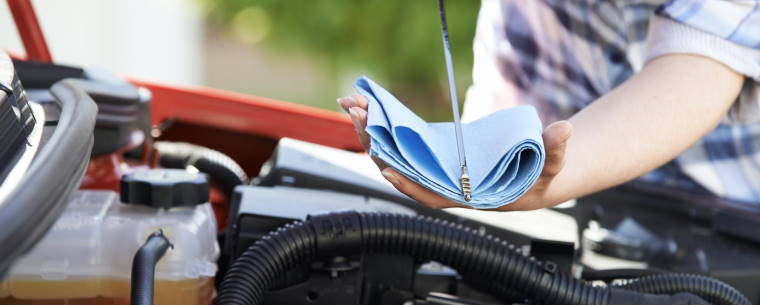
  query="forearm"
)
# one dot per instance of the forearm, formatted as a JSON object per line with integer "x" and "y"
{"x": 647, "y": 121}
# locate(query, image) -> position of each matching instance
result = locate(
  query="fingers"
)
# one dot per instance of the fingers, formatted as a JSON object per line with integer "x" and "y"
{"x": 417, "y": 192}
{"x": 555, "y": 141}
{"x": 380, "y": 163}
{"x": 356, "y": 100}
{"x": 359, "y": 118}
{"x": 356, "y": 106}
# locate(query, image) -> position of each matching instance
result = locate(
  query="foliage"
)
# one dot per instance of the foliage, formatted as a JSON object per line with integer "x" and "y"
{"x": 396, "y": 42}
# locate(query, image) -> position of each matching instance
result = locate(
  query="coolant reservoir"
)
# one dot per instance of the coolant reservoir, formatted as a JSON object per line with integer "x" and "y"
{"x": 86, "y": 258}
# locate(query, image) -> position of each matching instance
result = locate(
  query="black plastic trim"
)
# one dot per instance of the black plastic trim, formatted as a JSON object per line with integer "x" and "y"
{"x": 16, "y": 124}
{"x": 55, "y": 173}
{"x": 36, "y": 74}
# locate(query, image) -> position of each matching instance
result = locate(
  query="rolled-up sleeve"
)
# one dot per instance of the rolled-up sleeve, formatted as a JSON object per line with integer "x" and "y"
{"x": 725, "y": 30}
{"x": 491, "y": 90}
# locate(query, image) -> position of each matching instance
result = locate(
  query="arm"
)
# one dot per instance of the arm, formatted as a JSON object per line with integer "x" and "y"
{"x": 642, "y": 124}
{"x": 647, "y": 121}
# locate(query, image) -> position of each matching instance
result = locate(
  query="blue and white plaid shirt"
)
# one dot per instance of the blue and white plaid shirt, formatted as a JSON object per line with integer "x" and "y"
{"x": 561, "y": 55}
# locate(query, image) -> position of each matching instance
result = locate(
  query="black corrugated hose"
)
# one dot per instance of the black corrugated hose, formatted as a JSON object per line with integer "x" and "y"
{"x": 609, "y": 275}
{"x": 423, "y": 238}
{"x": 143, "y": 268}
{"x": 222, "y": 169}
{"x": 709, "y": 289}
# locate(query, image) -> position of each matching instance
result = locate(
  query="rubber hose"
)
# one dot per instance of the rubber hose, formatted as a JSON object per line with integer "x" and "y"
{"x": 609, "y": 275}
{"x": 251, "y": 275}
{"x": 709, "y": 289}
{"x": 221, "y": 168}
{"x": 143, "y": 268}
{"x": 423, "y": 238}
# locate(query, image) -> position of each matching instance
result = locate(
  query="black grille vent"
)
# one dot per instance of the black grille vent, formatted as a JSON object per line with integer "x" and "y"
{"x": 16, "y": 124}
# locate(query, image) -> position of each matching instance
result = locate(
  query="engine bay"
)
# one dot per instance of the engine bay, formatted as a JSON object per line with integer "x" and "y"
{"x": 165, "y": 210}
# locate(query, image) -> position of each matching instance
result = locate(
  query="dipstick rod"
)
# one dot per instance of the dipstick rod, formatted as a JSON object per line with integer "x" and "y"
{"x": 464, "y": 178}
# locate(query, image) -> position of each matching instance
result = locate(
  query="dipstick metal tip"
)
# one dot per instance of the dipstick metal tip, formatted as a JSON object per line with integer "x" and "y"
{"x": 465, "y": 181}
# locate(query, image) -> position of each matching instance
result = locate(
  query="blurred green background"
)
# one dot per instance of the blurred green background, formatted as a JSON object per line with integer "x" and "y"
{"x": 311, "y": 51}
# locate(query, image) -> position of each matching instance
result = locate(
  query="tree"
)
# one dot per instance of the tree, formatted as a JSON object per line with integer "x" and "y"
{"x": 398, "y": 43}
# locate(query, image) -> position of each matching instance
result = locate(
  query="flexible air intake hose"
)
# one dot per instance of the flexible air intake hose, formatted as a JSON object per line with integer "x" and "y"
{"x": 143, "y": 268}
{"x": 422, "y": 238}
{"x": 221, "y": 168}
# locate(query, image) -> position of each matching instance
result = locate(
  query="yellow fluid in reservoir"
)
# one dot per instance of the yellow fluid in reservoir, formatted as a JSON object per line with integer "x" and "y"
{"x": 103, "y": 292}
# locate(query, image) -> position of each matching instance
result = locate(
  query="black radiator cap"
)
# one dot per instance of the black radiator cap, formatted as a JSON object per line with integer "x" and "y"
{"x": 164, "y": 188}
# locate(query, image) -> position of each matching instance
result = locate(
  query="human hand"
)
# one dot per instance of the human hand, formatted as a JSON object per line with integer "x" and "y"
{"x": 555, "y": 137}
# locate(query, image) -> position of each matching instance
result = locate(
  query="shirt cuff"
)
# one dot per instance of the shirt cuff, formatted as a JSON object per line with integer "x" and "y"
{"x": 667, "y": 36}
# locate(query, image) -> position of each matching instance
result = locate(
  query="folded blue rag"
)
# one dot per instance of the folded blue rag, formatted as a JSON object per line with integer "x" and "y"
{"x": 505, "y": 153}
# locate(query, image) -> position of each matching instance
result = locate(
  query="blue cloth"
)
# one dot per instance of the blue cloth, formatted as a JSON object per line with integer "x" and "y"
{"x": 505, "y": 152}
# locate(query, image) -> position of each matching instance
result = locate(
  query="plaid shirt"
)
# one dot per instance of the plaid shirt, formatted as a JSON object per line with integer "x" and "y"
{"x": 561, "y": 55}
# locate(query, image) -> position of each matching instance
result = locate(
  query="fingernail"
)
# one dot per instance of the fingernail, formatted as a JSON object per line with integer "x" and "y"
{"x": 388, "y": 174}
{"x": 361, "y": 113}
{"x": 354, "y": 113}
{"x": 346, "y": 101}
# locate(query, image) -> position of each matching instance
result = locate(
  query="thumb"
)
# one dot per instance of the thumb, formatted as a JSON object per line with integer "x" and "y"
{"x": 555, "y": 138}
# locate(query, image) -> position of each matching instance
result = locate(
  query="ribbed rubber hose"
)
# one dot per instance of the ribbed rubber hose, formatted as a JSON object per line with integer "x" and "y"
{"x": 609, "y": 275}
{"x": 423, "y": 238}
{"x": 143, "y": 268}
{"x": 222, "y": 169}
{"x": 709, "y": 289}
{"x": 419, "y": 237}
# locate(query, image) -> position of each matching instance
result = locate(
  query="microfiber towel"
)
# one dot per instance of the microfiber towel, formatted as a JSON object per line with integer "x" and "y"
{"x": 505, "y": 151}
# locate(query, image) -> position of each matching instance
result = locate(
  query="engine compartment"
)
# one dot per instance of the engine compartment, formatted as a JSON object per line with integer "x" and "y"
{"x": 318, "y": 225}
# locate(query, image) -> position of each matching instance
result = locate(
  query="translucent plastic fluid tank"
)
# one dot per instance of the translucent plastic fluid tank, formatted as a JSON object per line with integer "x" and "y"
{"x": 86, "y": 258}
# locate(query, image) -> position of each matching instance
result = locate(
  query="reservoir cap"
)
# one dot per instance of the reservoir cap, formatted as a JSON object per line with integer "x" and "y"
{"x": 164, "y": 188}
